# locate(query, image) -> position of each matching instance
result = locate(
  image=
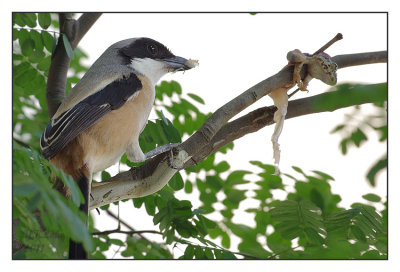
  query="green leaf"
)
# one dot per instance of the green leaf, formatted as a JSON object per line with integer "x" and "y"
{"x": 356, "y": 94}
{"x": 375, "y": 169}
{"x": 253, "y": 248}
{"x": 373, "y": 254}
{"x": 138, "y": 202}
{"x": 323, "y": 175}
{"x": 383, "y": 131}
{"x": 27, "y": 47}
{"x": 44, "y": 20}
{"x": 47, "y": 40}
{"x": 208, "y": 254}
{"x": 242, "y": 231}
{"x": 235, "y": 178}
{"x": 28, "y": 18}
{"x": 17, "y": 19}
{"x": 24, "y": 189}
{"x": 168, "y": 88}
{"x": 226, "y": 240}
{"x": 68, "y": 48}
{"x": 224, "y": 255}
{"x": 189, "y": 252}
{"x": 222, "y": 167}
{"x": 37, "y": 38}
{"x": 372, "y": 197}
{"x": 160, "y": 215}
{"x": 338, "y": 128}
{"x": 105, "y": 175}
{"x": 214, "y": 182}
{"x": 150, "y": 205}
{"x": 196, "y": 98}
{"x": 176, "y": 182}
{"x": 37, "y": 56}
{"x": 76, "y": 194}
{"x": 44, "y": 64}
{"x": 188, "y": 187}
{"x": 298, "y": 169}
{"x": 209, "y": 223}
{"x": 117, "y": 242}
{"x": 170, "y": 131}
{"x": 317, "y": 199}
{"x": 358, "y": 233}
{"x": 298, "y": 218}
{"x": 277, "y": 244}
{"x": 358, "y": 137}
{"x": 199, "y": 253}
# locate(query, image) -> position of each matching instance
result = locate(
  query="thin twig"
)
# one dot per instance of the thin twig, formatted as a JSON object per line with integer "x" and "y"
{"x": 338, "y": 37}
{"x": 37, "y": 29}
{"x": 293, "y": 93}
{"x": 120, "y": 221}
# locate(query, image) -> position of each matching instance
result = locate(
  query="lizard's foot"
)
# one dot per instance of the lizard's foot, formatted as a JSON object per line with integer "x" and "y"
{"x": 296, "y": 77}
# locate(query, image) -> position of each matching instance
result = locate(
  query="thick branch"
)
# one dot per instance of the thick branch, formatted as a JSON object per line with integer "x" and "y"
{"x": 57, "y": 78}
{"x": 360, "y": 59}
{"x": 155, "y": 173}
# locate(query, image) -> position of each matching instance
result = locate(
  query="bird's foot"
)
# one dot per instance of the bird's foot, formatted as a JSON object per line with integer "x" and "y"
{"x": 170, "y": 148}
{"x": 160, "y": 149}
{"x": 171, "y": 161}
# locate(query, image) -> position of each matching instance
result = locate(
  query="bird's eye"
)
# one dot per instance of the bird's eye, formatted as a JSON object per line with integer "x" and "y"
{"x": 152, "y": 49}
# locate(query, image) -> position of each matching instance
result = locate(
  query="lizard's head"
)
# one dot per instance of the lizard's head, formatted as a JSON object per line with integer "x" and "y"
{"x": 323, "y": 69}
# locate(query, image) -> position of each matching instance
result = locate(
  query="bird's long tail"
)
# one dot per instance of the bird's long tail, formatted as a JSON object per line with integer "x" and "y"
{"x": 76, "y": 250}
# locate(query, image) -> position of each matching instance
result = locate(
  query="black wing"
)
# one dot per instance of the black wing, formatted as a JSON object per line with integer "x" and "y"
{"x": 61, "y": 130}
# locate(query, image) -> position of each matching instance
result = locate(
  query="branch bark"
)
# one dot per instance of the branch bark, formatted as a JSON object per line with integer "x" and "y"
{"x": 57, "y": 78}
{"x": 215, "y": 133}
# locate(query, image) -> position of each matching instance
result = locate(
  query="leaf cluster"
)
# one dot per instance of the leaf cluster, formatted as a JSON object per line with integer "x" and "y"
{"x": 43, "y": 219}
{"x": 357, "y": 124}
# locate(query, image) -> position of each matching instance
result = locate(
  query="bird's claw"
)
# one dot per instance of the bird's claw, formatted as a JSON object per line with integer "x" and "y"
{"x": 171, "y": 161}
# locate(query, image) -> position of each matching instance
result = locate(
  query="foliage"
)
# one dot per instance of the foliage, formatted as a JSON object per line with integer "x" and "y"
{"x": 306, "y": 222}
{"x": 356, "y": 125}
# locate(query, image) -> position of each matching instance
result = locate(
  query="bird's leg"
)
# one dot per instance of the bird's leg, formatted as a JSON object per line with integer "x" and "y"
{"x": 135, "y": 154}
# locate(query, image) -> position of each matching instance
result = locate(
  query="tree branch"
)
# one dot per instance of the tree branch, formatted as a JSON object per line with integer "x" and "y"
{"x": 57, "y": 78}
{"x": 125, "y": 224}
{"x": 215, "y": 133}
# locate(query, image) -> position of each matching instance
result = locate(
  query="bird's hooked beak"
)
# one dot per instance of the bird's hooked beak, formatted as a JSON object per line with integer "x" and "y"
{"x": 176, "y": 63}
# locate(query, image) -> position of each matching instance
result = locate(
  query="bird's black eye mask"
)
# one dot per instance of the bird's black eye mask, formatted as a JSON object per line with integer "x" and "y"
{"x": 144, "y": 48}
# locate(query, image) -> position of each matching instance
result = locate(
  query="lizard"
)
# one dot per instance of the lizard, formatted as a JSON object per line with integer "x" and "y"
{"x": 319, "y": 66}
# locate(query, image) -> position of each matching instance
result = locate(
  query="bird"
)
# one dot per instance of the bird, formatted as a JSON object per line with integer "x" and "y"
{"x": 104, "y": 113}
